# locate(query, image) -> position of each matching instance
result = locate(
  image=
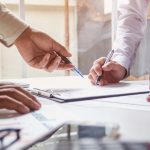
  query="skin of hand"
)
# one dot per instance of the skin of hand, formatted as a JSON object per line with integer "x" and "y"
{"x": 38, "y": 50}
{"x": 14, "y": 97}
{"x": 148, "y": 98}
{"x": 112, "y": 72}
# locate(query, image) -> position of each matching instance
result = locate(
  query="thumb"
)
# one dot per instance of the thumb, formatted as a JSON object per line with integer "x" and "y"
{"x": 110, "y": 66}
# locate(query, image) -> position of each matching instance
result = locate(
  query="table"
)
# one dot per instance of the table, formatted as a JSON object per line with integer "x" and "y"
{"x": 133, "y": 119}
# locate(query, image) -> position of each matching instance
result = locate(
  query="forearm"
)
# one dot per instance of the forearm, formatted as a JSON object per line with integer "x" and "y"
{"x": 130, "y": 30}
{"x": 11, "y": 27}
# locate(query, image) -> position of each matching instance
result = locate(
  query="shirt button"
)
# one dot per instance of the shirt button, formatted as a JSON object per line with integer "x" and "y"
{"x": 1, "y": 37}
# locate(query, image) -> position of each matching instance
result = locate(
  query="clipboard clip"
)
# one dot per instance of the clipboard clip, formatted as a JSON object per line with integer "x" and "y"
{"x": 43, "y": 93}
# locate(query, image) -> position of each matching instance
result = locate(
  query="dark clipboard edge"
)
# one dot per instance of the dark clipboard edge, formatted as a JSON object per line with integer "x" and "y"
{"x": 90, "y": 98}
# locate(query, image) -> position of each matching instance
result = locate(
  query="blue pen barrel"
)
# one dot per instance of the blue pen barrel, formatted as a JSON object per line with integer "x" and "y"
{"x": 78, "y": 72}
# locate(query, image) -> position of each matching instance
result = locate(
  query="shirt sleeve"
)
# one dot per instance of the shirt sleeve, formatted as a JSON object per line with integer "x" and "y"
{"x": 11, "y": 27}
{"x": 132, "y": 20}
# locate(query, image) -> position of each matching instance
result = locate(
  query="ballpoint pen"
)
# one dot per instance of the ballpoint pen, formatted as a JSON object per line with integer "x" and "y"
{"x": 67, "y": 61}
{"x": 39, "y": 92}
{"x": 108, "y": 58}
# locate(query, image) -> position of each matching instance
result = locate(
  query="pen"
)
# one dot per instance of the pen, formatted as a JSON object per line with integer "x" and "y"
{"x": 40, "y": 93}
{"x": 67, "y": 61}
{"x": 108, "y": 58}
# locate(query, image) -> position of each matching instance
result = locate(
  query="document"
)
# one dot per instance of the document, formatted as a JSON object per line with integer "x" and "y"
{"x": 84, "y": 90}
{"x": 34, "y": 126}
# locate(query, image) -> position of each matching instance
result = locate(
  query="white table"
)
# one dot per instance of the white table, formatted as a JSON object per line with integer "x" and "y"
{"x": 133, "y": 119}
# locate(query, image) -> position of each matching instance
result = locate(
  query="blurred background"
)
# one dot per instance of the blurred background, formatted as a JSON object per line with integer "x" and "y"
{"x": 86, "y": 27}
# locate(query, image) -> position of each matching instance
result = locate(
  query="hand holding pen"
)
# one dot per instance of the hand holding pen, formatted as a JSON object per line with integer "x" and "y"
{"x": 105, "y": 71}
{"x": 108, "y": 58}
{"x": 67, "y": 61}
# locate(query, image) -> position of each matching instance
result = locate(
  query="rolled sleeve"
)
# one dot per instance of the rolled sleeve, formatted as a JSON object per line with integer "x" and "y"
{"x": 11, "y": 27}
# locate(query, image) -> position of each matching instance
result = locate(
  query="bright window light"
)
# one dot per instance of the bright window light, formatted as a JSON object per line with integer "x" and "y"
{"x": 107, "y": 6}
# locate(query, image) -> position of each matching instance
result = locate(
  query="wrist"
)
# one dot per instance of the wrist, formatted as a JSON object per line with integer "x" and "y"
{"x": 126, "y": 73}
{"x": 26, "y": 34}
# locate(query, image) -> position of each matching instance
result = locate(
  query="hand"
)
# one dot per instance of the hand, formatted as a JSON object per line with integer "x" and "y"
{"x": 148, "y": 98}
{"x": 14, "y": 97}
{"x": 112, "y": 72}
{"x": 37, "y": 49}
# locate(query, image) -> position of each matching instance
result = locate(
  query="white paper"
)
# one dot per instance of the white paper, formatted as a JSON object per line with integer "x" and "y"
{"x": 77, "y": 88}
{"x": 34, "y": 126}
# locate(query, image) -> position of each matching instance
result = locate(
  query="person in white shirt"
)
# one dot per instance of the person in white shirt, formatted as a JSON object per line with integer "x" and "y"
{"x": 37, "y": 49}
{"x": 132, "y": 20}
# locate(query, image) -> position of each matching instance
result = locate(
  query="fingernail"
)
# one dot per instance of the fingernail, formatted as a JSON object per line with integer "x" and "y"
{"x": 69, "y": 54}
{"x": 59, "y": 58}
{"x": 25, "y": 110}
{"x": 37, "y": 106}
{"x": 35, "y": 99}
{"x": 105, "y": 66}
{"x": 101, "y": 83}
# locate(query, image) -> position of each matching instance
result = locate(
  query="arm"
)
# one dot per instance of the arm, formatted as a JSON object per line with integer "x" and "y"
{"x": 130, "y": 30}
{"x": 11, "y": 27}
{"x": 37, "y": 50}
{"x": 132, "y": 20}
{"x": 13, "y": 97}
{"x": 34, "y": 46}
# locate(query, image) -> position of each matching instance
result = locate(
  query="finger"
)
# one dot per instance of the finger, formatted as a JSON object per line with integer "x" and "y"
{"x": 41, "y": 58}
{"x": 63, "y": 66}
{"x": 12, "y": 104}
{"x": 97, "y": 67}
{"x": 93, "y": 74}
{"x": 6, "y": 83}
{"x": 53, "y": 64}
{"x": 43, "y": 63}
{"x": 93, "y": 82}
{"x": 100, "y": 61}
{"x": 98, "y": 70}
{"x": 28, "y": 94}
{"x": 91, "y": 79}
{"x": 60, "y": 49}
{"x": 103, "y": 82}
{"x": 19, "y": 96}
{"x": 148, "y": 98}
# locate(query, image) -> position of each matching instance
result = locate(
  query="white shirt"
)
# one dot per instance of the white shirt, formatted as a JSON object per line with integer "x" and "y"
{"x": 11, "y": 27}
{"x": 132, "y": 20}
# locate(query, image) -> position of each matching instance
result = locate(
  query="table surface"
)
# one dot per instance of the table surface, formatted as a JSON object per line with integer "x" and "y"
{"x": 131, "y": 113}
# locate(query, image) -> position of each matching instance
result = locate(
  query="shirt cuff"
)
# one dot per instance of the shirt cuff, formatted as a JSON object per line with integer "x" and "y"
{"x": 11, "y": 27}
{"x": 123, "y": 61}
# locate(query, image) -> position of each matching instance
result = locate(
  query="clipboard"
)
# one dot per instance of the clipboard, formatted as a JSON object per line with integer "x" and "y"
{"x": 91, "y": 92}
